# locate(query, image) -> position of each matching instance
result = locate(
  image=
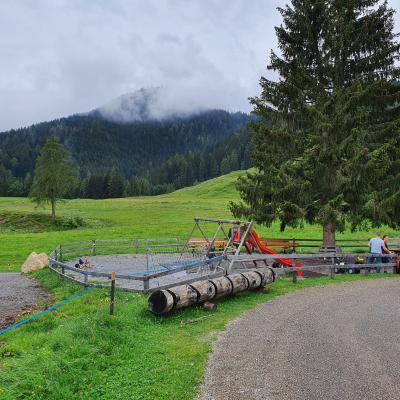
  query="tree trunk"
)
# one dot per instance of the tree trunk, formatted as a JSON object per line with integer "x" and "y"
{"x": 329, "y": 237}
{"x": 53, "y": 209}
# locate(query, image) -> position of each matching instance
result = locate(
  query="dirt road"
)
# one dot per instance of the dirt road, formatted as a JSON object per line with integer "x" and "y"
{"x": 334, "y": 342}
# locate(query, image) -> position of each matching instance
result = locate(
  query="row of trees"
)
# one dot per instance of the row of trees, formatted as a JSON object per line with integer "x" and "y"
{"x": 178, "y": 171}
{"x": 12, "y": 186}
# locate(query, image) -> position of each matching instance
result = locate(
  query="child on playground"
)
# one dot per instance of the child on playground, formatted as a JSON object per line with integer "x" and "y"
{"x": 83, "y": 263}
{"x": 86, "y": 263}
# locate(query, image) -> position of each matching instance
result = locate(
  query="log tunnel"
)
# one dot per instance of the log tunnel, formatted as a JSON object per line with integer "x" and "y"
{"x": 167, "y": 300}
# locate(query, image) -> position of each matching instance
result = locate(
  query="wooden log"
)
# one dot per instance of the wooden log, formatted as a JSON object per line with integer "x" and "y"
{"x": 205, "y": 290}
{"x": 174, "y": 298}
{"x": 268, "y": 276}
{"x": 239, "y": 283}
{"x": 183, "y": 296}
{"x": 223, "y": 286}
{"x": 254, "y": 278}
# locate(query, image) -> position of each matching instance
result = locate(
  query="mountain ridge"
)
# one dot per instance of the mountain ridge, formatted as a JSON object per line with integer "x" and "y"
{"x": 98, "y": 145}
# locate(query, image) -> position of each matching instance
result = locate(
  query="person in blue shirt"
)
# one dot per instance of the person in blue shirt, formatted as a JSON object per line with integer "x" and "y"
{"x": 376, "y": 247}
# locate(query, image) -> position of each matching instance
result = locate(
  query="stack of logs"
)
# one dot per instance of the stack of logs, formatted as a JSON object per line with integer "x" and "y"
{"x": 200, "y": 292}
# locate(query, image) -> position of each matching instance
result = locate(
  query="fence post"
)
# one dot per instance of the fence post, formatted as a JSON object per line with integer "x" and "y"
{"x": 86, "y": 280}
{"x": 294, "y": 273}
{"x": 333, "y": 268}
{"x": 93, "y": 247}
{"x": 136, "y": 246}
{"x": 112, "y": 294}
{"x": 61, "y": 253}
{"x": 146, "y": 284}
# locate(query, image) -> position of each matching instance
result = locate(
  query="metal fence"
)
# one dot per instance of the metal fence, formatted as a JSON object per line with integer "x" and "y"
{"x": 165, "y": 262}
{"x": 153, "y": 263}
{"x": 326, "y": 263}
{"x": 195, "y": 265}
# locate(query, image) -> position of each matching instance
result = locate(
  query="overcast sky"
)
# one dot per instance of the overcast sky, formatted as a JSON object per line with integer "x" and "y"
{"x": 59, "y": 57}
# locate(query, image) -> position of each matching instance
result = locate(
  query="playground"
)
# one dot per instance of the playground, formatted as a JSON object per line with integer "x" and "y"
{"x": 186, "y": 269}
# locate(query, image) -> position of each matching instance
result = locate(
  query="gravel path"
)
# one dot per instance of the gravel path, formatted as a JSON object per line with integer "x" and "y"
{"x": 334, "y": 342}
{"x": 18, "y": 295}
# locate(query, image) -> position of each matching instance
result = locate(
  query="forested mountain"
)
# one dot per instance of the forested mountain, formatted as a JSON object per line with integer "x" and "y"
{"x": 103, "y": 147}
{"x": 178, "y": 171}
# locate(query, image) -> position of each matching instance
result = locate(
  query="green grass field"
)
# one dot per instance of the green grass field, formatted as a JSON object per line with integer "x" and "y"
{"x": 168, "y": 215}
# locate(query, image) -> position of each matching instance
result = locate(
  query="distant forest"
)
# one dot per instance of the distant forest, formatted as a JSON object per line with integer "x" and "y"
{"x": 141, "y": 158}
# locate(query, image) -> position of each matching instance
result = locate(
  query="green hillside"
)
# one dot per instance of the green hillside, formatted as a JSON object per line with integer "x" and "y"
{"x": 169, "y": 215}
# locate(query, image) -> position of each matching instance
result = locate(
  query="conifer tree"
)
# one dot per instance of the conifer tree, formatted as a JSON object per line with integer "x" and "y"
{"x": 55, "y": 174}
{"x": 115, "y": 184}
{"x": 327, "y": 144}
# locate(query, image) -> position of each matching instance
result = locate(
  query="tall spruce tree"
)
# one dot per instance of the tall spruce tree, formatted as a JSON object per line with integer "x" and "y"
{"x": 327, "y": 144}
{"x": 55, "y": 174}
{"x": 116, "y": 184}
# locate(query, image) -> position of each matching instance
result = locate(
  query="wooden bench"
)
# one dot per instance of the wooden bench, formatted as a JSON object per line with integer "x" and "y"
{"x": 286, "y": 244}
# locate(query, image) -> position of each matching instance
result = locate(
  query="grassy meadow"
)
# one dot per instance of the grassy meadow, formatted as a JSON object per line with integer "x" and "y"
{"x": 77, "y": 351}
{"x": 169, "y": 215}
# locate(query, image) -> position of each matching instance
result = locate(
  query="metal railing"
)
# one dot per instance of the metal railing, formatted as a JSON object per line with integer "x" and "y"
{"x": 329, "y": 262}
{"x": 158, "y": 262}
{"x": 305, "y": 245}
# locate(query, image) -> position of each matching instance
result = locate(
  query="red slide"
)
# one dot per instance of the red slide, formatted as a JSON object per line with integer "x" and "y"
{"x": 267, "y": 250}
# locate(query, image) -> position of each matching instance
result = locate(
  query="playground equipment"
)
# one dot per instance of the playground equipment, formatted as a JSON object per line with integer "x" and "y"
{"x": 151, "y": 264}
{"x": 165, "y": 301}
{"x": 245, "y": 236}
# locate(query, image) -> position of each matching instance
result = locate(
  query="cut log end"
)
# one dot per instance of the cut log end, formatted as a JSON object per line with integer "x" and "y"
{"x": 160, "y": 302}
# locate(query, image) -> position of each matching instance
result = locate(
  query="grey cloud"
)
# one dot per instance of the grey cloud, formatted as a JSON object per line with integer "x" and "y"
{"x": 59, "y": 57}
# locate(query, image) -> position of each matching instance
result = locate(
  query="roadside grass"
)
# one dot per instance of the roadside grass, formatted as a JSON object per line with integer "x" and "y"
{"x": 78, "y": 352}
{"x": 169, "y": 215}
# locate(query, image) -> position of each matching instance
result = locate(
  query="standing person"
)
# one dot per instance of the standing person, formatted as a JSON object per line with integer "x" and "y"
{"x": 376, "y": 248}
{"x": 386, "y": 249}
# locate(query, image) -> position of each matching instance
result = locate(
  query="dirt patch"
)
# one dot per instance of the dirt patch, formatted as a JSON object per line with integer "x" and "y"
{"x": 19, "y": 295}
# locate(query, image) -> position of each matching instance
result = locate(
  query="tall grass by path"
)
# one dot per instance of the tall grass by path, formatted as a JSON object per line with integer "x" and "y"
{"x": 78, "y": 352}
{"x": 168, "y": 215}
